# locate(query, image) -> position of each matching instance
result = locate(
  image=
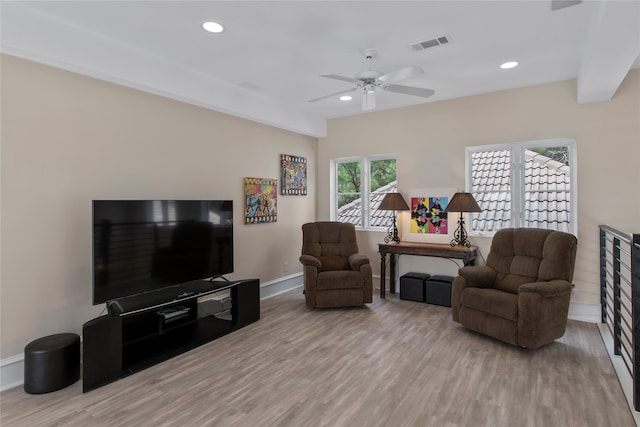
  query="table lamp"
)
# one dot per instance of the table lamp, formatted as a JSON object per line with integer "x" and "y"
{"x": 462, "y": 202}
{"x": 393, "y": 202}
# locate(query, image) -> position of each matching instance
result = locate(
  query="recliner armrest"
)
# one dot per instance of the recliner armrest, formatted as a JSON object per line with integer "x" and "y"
{"x": 357, "y": 260}
{"x": 550, "y": 289}
{"x": 310, "y": 261}
{"x": 478, "y": 276}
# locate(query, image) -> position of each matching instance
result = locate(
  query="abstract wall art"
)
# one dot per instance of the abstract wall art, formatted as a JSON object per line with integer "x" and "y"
{"x": 293, "y": 175}
{"x": 428, "y": 215}
{"x": 427, "y": 221}
{"x": 261, "y": 196}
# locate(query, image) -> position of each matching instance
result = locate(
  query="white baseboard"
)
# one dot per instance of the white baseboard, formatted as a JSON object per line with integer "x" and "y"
{"x": 11, "y": 372}
{"x": 280, "y": 285}
{"x": 585, "y": 312}
{"x": 12, "y": 368}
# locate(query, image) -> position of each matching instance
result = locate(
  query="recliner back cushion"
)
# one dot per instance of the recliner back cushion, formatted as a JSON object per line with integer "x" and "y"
{"x": 331, "y": 242}
{"x": 525, "y": 255}
{"x": 559, "y": 257}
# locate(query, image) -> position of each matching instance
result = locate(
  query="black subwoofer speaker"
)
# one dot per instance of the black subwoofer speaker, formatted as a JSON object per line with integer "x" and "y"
{"x": 101, "y": 351}
{"x": 51, "y": 363}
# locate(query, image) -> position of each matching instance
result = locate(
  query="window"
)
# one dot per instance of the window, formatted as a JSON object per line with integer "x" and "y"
{"x": 530, "y": 184}
{"x": 358, "y": 187}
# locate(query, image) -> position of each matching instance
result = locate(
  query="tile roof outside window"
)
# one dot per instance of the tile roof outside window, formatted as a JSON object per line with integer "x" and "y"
{"x": 352, "y": 212}
{"x": 547, "y": 191}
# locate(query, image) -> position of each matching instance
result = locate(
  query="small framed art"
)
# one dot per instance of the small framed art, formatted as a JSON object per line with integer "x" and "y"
{"x": 293, "y": 175}
{"x": 261, "y": 197}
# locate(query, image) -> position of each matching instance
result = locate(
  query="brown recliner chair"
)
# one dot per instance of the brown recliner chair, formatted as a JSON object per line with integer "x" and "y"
{"x": 335, "y": 274}
{"x": 522, "y": 295}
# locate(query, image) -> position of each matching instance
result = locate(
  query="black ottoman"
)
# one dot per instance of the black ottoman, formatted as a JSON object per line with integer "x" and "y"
{"x": 412, "y": 286}
{"x": 438, "y": 290}
{"x": 51, "y": 363}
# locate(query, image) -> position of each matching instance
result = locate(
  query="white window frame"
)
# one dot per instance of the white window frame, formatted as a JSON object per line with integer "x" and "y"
{"x": 365, "y": 190}
{"x": 517, "y": 151}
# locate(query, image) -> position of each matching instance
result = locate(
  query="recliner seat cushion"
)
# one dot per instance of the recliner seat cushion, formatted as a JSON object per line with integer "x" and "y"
{"x": 511, "y": 282}
{"x": 340, "y": 280}
{"x": 491, "y": 301}
{"x": 332, "y": 262}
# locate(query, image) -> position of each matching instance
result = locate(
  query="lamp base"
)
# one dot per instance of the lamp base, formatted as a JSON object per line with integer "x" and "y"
{"x": 392, "y": 234}
{"x": 460, "y": 235}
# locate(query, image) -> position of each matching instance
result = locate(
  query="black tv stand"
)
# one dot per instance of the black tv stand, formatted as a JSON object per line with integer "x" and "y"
{"x": 146, "y": 329}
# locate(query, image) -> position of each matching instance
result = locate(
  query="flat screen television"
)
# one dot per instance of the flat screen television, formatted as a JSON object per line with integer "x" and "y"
{"x": 145, "y": 245}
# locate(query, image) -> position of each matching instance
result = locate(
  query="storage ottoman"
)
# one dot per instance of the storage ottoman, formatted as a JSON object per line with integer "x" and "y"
{"x": 438, "y": 290}
{"x": 412, "y": 286}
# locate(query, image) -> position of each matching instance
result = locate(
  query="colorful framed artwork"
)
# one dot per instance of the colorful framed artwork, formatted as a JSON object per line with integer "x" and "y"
{"x": 427, "y": 221}
{"x": 261, "y": 197}
{"x": 428, "y": 215}
{"x": 293, "y": 175}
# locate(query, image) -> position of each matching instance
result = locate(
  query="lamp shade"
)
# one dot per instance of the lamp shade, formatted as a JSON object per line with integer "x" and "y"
{"x": 393, "y": 202}
{"x": 463, "y": 202}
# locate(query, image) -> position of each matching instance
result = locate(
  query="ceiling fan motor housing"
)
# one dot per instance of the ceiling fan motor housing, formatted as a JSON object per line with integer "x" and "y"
{"x": 368, "y": 76}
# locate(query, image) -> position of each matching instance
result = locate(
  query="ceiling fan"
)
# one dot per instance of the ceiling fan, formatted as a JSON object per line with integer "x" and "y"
{"x": 367, "y": 81}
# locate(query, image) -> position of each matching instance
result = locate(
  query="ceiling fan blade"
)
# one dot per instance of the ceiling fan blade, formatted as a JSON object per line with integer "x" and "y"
{"x": 337, "y": 77}
{"x": 410, "y": 90}
{"x": 401, "y": 74}
{"x": 332, "y": 95}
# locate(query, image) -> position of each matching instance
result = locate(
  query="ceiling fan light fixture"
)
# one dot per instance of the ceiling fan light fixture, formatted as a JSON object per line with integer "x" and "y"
{"x": 212, "y": 27}
{"x": 368, "y": 99}
{"x": 510, "y": 64}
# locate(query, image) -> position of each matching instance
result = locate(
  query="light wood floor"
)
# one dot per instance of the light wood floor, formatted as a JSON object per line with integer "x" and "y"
{"x": 393, "y": 363}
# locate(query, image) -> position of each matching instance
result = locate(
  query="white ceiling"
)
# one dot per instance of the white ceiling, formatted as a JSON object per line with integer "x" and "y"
{"x": 267, "y": 63}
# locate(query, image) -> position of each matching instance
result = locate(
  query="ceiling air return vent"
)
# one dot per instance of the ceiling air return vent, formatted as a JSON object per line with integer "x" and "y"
{"x": 427, "y": 44}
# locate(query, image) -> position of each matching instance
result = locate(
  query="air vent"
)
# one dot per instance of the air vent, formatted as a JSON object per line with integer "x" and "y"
{"x": 427, "y": 44}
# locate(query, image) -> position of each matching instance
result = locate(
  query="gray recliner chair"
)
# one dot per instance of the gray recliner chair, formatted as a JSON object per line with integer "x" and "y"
{"x": 522, "y": 295}
{"x": 335, "y": 274}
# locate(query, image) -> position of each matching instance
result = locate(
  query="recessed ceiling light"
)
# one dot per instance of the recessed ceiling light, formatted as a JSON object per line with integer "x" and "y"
{"x": 510, "y": 64}
{"x": 346, "y": 98}
{"x": 213, "y": 27}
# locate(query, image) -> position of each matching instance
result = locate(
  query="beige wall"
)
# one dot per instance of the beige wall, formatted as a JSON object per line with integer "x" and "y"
{"x": 430, "y": 141}
{"x": 68, "y": 139}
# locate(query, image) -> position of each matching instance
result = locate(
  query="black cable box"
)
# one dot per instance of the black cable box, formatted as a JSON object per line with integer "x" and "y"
{"x": 171, "y": 312}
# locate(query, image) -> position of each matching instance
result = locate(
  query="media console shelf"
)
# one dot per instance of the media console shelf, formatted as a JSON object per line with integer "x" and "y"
{"x": 147, "y": 329}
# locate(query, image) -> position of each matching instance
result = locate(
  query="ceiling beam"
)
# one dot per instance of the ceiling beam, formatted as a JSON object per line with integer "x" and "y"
{"x": 613, "y": 45}
{"x": 40, "y": 38}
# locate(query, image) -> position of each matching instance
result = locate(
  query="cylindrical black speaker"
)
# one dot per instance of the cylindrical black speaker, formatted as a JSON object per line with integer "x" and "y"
{"x": 51, "y": 363}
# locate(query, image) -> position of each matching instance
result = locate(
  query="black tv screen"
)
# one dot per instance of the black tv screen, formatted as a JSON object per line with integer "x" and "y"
{"x": 144, "y": 245}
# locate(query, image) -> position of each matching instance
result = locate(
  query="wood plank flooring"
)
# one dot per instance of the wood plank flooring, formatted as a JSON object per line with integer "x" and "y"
{"x": 392, "y": 363}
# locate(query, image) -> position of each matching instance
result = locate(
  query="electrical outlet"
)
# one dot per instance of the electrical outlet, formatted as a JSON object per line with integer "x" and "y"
{"x": 286, "y": 267}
